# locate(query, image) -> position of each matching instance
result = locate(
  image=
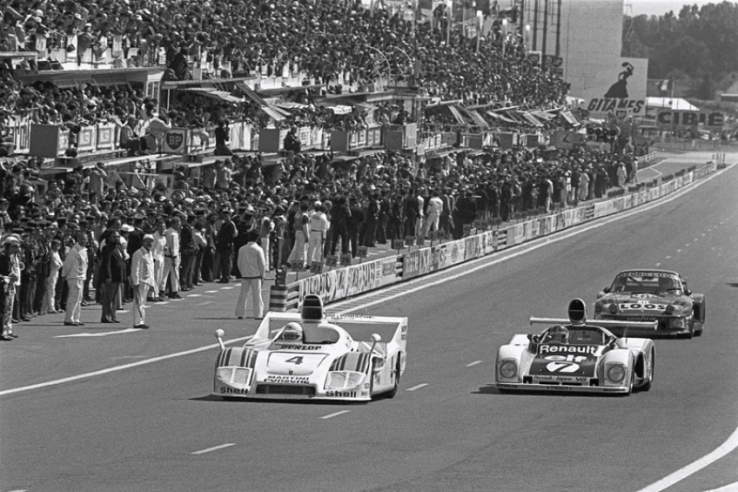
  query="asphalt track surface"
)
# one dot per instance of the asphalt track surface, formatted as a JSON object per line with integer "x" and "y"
{"x": 154, "y": 427}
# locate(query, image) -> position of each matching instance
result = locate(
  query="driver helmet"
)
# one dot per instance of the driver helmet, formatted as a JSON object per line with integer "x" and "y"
{"x": 292, "y": 332}
{"x": 666, "y": 283}
{"x": 559, "y": 333}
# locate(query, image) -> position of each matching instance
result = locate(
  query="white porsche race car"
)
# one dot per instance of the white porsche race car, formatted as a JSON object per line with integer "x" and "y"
{"x": 313, "y": 356}
{"x": 577, "y": 356}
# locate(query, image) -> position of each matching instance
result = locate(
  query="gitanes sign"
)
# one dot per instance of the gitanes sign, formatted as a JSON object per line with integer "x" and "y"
{"x": 613, "y": 105}
{"x": 669, "y": 118}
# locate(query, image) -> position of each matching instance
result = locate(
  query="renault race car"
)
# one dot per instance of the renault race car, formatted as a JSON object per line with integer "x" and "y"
{"x": 576, "y": 356}
{"x": 313, "y": 356}
{"x": 653, "y": 295}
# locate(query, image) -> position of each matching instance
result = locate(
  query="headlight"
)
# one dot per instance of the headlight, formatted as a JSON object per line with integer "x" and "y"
{"x": 613, "y": 308}
{"x": 508, "y": 369}
{"x": 598, "y": 307}
{"x": 616, "y": 372}
{"x": 338, "y": 380}
{"x": 224, "y": 374}
{"x": 669, "y": 309}
{"x": 677, "y": 323}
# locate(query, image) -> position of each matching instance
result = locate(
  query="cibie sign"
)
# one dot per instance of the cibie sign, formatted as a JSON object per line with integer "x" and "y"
{"x": 671, "y": 118}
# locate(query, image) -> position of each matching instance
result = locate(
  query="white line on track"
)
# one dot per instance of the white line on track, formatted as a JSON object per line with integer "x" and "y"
{"x": 331, "y": 415}
{"x": 679, "y": 251}
{"x": 194, "y": 295}
{"x": 103, "y": 334}
{"x": 732, "y": 487}
{"x": 226, "y": 288}
{"x": 205, "y": 303}
{"x": 472, "y": 364}
{"x": 679, "y": 475}
{"x": 658, "y": 264}
{"x": 120, "y": 368}
{"x": 417, "y": 387}
{"x": 215, "y": 448}
{"x": 122, "y": 311}
{"x": 668, "y": 257}
{"x": 211, "y": 291}
{"x": 162, "y": 303}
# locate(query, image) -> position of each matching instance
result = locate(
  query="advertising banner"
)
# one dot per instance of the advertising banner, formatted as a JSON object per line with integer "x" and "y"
{"x": 175, "y": 141}
{"x": 105, "y": 136}
{"x": 86, "y": 138}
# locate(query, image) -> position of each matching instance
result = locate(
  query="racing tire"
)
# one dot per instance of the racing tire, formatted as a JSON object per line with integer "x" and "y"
{"x": 690, "y": 335}
{"x": 393, "y": 392}
{"x": 647, "y": 385}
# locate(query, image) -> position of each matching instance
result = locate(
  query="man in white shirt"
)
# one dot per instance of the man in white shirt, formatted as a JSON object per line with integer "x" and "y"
{"x": 319, "y": 226}
{"x": 74, "y": 271}
{"x": 160, "y": 245}
{"x": 251, "y": 264}
{"x": 142, "y": 278}
{"x": 435, "y": 208}
{"x": 172, "y": 258}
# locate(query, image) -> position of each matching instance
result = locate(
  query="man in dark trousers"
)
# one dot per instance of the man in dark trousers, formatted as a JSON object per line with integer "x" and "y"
{"x": 188, "y": 249}
{"x": 224, "y": 245}
{"x": 353, "y": 225}
{"x": 339, "y": 225}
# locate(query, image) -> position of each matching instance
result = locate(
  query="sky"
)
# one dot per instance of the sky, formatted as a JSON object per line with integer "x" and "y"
{"x": 660, "y": 7}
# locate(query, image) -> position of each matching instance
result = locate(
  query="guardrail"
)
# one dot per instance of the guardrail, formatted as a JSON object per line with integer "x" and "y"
{"x": 352, "y": 280}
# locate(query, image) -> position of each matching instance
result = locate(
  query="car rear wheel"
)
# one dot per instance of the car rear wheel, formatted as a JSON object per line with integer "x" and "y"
{"x": 647, "y": 385}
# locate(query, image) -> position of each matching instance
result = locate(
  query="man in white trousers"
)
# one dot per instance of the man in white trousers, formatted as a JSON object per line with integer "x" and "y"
{"x": 74, "y": 271}
{"x": 251, "y": 264}
{"x": 319, "y": 226}
{"x": 142, "y": 279}
{"x": 172, "y": 258}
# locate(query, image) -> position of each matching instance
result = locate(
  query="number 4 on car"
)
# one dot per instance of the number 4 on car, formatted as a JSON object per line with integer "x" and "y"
{"x": 313, "y": 356}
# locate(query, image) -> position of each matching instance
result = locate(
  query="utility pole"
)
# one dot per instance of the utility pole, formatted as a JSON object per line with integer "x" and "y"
{"x": 545, "y": 27}
{"x": 535, "y": 25}
{"x": 558, "y": 30}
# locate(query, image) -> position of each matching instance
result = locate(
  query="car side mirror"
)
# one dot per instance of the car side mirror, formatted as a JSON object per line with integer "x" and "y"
{"x": 606, "y": 290}
{"x": 688, "y": 292}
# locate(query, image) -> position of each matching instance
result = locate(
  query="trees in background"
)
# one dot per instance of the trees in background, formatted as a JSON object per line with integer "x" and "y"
{"x": 700, "y": 43}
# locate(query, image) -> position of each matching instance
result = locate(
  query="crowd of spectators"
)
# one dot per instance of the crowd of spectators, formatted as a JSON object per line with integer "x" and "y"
{"x": 308, "y": 206}
{"x": 369, "y": 201}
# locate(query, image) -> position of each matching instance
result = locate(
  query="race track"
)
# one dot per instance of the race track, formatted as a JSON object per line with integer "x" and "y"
{"x": 154, "y": 427}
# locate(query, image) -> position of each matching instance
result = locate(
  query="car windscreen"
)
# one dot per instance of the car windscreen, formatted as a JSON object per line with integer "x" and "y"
{"x": 646, "y": 282}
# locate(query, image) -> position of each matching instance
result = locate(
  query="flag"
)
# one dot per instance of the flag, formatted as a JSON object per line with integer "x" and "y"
{"x": 665, "y": 85}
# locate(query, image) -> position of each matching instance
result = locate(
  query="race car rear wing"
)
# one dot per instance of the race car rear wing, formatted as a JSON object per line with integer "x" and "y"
{"x": 649, "y": 325}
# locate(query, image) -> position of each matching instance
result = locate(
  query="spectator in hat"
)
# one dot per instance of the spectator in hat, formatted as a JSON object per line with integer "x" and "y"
{"x": 252, "y": 266}
{"x": 10, "y": 275}
{"x": 74, "y": 272}
{"x": 142, "y": 279}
